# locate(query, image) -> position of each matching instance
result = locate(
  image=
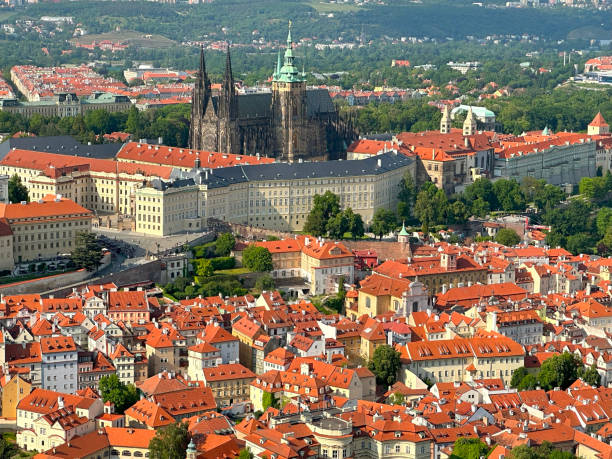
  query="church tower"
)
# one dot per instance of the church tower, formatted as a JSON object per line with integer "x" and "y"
{"x": 598, "y": 126}
{"x": 289, "y": 106}
{"x": 200, "y": 101}
{"x": 445, "y": 122}
{"x": 469, "y": 125}
{"x": 228, "y": 111}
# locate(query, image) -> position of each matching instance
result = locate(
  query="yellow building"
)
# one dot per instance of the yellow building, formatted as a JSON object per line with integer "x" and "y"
{"x": 13, "y": 391}
{"x": 230, "y": 383}
{"x": 372, "y": 336}
{"x": 46, "y": 228}
{"x": 247, "y": 332}
{"x": 164, "y": 208}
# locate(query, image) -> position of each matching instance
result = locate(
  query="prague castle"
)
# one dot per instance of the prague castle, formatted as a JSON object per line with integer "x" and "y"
{"x": 292, "y": 122}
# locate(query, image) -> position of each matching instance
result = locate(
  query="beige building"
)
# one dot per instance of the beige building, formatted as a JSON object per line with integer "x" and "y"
{"x": 44, "y": 229}
{"x": 280, "y": 196}
{"x": 164, "y": 208}
{"x": 67, "y": 104}
{"x": 103, "y": 186}
{"x": 488, "y": 355}
{"x": 229, "y": 382}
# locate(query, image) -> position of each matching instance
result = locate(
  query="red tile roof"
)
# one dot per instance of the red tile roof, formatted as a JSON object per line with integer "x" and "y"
{"x": 184, "y": 157}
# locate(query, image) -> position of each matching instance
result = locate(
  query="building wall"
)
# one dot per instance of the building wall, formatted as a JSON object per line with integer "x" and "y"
{"x": 59, "y": 371}
{"x": 230, "y": 391}
{"x": 12, "y": 393}
{"x": 557, "y": 165}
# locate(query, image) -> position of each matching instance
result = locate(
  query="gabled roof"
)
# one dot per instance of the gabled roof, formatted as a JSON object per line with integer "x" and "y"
{"x": 149, "y": 414}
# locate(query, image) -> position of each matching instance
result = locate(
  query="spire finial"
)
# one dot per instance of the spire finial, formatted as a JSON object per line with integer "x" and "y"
{"x": 289, "y": 40}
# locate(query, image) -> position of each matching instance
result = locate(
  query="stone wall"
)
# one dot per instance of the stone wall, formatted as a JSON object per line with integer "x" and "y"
{"x": 45, "y": 283}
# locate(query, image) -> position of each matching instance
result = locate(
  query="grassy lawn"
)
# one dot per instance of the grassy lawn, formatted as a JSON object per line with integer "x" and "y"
{"x": 326, "y": 7}
{"x": 233, "y": 271}
{"x": 6, "y": 15}
{"x": 24, "y": 277}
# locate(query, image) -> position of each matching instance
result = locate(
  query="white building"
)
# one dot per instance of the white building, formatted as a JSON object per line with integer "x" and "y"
{"x": 59, "y": 364}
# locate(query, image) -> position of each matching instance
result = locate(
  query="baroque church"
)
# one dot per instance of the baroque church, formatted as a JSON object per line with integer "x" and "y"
{"x": 292, "y": 122}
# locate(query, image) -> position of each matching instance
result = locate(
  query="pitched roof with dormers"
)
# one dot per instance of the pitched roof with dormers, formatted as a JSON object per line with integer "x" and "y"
{"x": 149, "y": 414}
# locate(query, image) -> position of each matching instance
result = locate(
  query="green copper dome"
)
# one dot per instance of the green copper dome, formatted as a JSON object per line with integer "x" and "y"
{"x": 403, "y": 232}
{"x": 288, "y": 73}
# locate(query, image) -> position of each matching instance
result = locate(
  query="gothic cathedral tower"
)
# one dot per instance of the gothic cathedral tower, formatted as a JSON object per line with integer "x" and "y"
{"x": 200, "y": 102}
{"x": 289, "y": 107}
{"x": 228, "y": 111}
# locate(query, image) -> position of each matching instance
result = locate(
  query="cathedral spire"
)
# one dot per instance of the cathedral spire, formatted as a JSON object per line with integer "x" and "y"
{"x": 228, "y": 103}
{"x": 228, "y": 78}
{"x": 289, "y": 40}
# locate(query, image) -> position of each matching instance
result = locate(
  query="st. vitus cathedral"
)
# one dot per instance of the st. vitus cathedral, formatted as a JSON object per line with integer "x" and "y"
{"x": 291, "y": 122}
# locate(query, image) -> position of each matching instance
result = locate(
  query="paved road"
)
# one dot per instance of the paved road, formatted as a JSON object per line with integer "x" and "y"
{"x": 138, "y": 245}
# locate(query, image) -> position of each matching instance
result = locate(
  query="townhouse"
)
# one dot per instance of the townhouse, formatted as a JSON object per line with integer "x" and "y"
{"x": 487, "y": 355}
{"x": 229, "y": 382}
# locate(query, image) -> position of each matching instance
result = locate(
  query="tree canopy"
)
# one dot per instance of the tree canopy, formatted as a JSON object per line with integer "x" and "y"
{"x": 170, "y": 442}
{"x": 17, "y": 191}
{"x": 257, "y": 258}
{"x": 507, "y": 237}
{"x": 469, "y": 448}
{"x": 115, "y": 391}
{"x": 385, "y": 364}
{"x": 87, "y": 253}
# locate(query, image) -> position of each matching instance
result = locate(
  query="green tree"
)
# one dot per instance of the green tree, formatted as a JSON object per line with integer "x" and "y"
{"x": 397, "y": 398}
{"x": 170, "y": 442}
{"x": 134, "y": 123}
{"x": 592, "y": 376}
{"x": 264, "y": 283}
{"x": 480, "y": 208}
{"x": 518, "y": 376}
{"x": 406, "y": 197}
{"x": 338, "y": 225}
{"x": 356, "y": 226}
{"x": 482, "y": 188}
{"x": 203, "y": 267}
{"x": 245, "y": 453}
{"x": 543, "y": 451}
{"x": 469, "y": 448}
{"x": 529, "y": 382}
{"x": 324, "y": 207}
{"x": 17, "y": 191}
{"x": 507, "y": 237}
{"x": 224, "y": 244}
{"x": 257, "y": 258}
{"x": 509, "y": 195}
{"x": 548, "y": 197}
{"x": 604, "y": 217}
{"x": 560, "y": 371}
{"x": 7, "y": 449}
{"x": 385, "y": 364}
{"x": 268, "y": 400}
{"x": 383, "y": 222}
{"x": 122, "y": 395}
{"x": 87, "y": 252}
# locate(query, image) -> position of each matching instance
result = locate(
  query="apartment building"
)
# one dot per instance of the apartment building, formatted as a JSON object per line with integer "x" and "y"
{"x": 525, "y": 327}
{"x": 229, "y": 383}
{"x": 486, "y": 355}
{"x": 44, "y": 229}
{"x": 67, "y": 104}
{"x": 59, "y": 366}
{"x": 38, "y": 415}
{"x": 280, "y": 196}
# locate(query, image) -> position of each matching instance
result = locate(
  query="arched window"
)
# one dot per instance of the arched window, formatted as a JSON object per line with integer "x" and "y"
{"x": 126, "y": 453}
